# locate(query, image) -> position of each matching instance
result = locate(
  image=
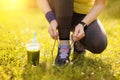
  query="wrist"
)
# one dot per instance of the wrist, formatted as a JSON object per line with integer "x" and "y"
{"x": 54, "y": 23}
{"x": 50, "y": 16}
{"x": 83, "y": 24}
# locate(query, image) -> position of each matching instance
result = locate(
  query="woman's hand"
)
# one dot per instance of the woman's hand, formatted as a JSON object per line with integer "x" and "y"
{"x": 79, "y": 32}
{"x": 53, "y": 29}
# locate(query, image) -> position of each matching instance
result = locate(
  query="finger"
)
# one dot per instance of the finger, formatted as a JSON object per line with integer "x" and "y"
{"x": 80, "y": 35}
{"x": 76, "y": 32}
{"x": 57, "y": 36}
{"x": 55, "y": 33}
{"x": 51, "y": 33}
{"x": 74, "y": 38}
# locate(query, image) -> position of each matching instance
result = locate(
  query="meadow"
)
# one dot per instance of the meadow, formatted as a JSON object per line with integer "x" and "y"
{"x": 17, "y": 27}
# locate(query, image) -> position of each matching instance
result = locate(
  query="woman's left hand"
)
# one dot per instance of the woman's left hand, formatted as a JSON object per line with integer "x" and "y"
{"x": 79, "y": 32}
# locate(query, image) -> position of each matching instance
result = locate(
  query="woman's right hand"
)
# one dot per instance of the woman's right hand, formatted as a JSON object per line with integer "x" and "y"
{"x": 53, "y": 29}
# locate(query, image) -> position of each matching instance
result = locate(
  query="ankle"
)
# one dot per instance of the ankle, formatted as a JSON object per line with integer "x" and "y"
{"x": 64, "y": 42}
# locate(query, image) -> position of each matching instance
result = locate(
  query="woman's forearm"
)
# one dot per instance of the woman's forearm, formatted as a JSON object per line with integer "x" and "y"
{"x": 44, "y": 6}
{"x": 95, "y": 11}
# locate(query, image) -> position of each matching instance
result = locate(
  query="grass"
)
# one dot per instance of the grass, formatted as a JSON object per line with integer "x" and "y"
{"x": 17, "y": 27}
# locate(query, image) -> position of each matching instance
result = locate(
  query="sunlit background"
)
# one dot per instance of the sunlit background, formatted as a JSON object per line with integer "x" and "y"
{"x": 17, "y": 4}
{"x": 14, "y": 9}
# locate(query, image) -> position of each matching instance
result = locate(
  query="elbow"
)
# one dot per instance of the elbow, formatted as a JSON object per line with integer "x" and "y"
{"x": 100, "y": 6}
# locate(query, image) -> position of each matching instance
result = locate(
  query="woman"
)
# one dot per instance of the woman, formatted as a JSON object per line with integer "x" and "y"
{"x": 79, "y": 16}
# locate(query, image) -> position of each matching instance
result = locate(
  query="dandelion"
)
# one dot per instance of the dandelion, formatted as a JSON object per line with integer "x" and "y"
{"x": 53, "y": 64}
{"x": 67, "y": 61}
{"x": 82, "y": 73}
{"x": 71, "y": 63}
{"x": 100, "y": 68}
{"x": 92, "y": 73}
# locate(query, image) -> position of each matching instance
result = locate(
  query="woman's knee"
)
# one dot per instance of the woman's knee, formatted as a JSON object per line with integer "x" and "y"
{"x": 98, "y": 46}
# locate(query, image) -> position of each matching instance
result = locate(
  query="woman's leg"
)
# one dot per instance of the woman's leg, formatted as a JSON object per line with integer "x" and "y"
{"x": 95, "y": 39}
{"x": 63, "y": 10}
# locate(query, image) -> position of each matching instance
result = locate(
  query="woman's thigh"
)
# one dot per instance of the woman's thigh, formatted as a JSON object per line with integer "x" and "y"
{"x": 95, "y": 39}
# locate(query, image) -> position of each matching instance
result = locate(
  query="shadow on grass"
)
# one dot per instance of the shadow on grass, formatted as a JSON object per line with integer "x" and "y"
{"x": 82, "y": 69}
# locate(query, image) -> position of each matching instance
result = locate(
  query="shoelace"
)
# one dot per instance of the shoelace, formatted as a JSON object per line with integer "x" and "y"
{"x": 53, "y": 50}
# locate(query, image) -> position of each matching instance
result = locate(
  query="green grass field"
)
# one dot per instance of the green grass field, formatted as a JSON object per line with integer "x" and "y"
{"x": 17, "y": 27}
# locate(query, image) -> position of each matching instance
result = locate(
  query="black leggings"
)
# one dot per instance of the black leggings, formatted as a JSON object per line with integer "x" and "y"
{"x": 95, "y": 39}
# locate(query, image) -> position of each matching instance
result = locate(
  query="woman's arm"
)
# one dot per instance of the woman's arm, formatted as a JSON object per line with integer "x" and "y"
{"x": 95, "y": 11}
{"x": 90, "y": 17}
{"x": 53, "y": 23}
